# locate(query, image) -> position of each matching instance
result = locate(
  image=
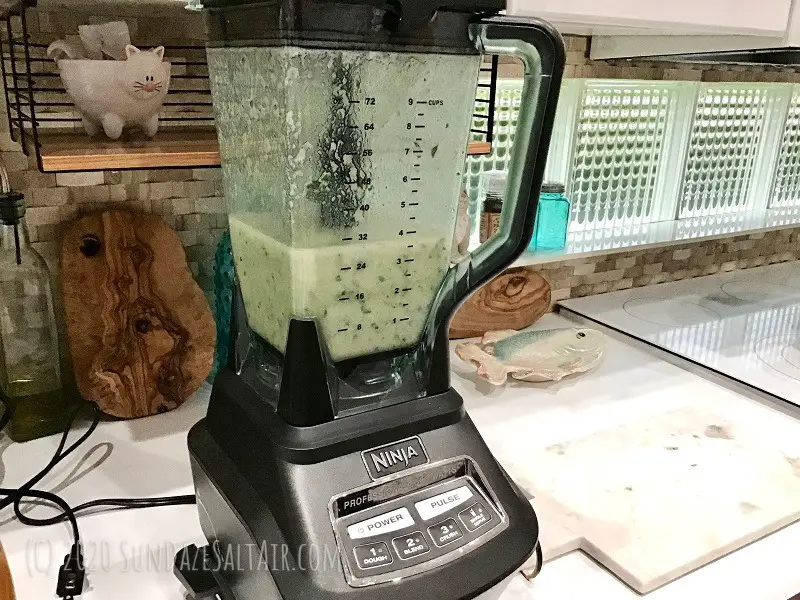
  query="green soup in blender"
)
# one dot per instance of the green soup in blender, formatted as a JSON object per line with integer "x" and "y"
{"x": 343, "y": 187}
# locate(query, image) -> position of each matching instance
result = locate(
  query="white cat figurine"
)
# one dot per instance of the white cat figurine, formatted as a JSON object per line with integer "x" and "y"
{"x": 117, "y": 94}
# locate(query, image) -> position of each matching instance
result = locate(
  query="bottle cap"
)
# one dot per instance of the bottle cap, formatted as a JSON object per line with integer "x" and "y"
{"x": 492, "y": 205}
{"x": 553, "y": 187}
{"x": 494, "y": 184}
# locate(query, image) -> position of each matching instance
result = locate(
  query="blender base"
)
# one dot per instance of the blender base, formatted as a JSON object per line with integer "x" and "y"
{"x": 202, "y": 583}
{"x": 269, "y": 507}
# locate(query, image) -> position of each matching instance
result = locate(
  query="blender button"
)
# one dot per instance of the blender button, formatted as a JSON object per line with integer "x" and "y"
{"x": 372, "y": 556}
{"x": 445, "y": 532}
{"x": 385, "y": 523}
{"x": 411, "y": 545}
{"x": 431, "y": 508}
{"x": 475, "y": 517}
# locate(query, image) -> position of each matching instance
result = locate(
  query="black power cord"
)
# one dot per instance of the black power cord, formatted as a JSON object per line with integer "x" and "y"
{"x": 112, "y": 503}
{"x": 72, "y": 573}
{"x": 17, "y": 494}
{"x": 68, "y": 513}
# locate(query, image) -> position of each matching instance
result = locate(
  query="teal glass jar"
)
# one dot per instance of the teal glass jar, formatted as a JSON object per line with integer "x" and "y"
{"x": 224, "y": 276}
{"x": 552, "y": 218}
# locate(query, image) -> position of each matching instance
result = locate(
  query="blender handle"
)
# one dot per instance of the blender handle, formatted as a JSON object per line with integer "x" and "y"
{"x": 541, "y": 49}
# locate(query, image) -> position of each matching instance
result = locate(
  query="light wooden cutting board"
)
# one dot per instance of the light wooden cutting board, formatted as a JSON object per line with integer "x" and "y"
{"x": 657, "y": 498}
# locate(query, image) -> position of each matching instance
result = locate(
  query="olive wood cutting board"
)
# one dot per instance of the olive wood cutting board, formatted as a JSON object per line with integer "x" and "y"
{"x": 140, "y": 331}
{"x": 514, "y": 300}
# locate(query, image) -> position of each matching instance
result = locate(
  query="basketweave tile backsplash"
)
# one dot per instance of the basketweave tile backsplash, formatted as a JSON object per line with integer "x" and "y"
{"x": 191, "y": 200}
{"x": 637, "y": 268}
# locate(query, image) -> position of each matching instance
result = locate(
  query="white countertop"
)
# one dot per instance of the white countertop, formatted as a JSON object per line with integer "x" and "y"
{"x": 129, "y": 554}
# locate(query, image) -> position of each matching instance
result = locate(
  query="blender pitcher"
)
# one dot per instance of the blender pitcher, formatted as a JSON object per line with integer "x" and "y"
{"x": 343, "y": 130}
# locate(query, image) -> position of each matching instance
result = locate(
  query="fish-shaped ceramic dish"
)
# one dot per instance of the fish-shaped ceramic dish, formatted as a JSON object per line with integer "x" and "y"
{"x": 547, "y": 355}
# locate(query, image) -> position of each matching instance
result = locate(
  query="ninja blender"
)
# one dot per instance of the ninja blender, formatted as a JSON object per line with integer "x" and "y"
{"x": 335, "y": 460}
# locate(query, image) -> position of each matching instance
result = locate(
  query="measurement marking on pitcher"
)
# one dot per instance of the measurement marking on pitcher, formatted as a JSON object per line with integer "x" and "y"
{"x": 404, "y": 319}
{"x": 346, "y": 268}
{"x": 343, "y": 299}
{"x": 413, "y": 203}
{"x": 343, "y": 330}
{"x": 347, "y": 239}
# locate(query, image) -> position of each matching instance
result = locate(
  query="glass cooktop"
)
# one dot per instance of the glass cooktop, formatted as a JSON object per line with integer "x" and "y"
{"x": 744, "y": 324}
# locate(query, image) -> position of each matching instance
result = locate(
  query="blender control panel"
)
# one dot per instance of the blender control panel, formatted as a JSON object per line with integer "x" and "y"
{"x": 414, "y": 532}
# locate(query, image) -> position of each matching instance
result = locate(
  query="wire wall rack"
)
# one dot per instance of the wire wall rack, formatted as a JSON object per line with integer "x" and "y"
{"x": 45, "y": 122}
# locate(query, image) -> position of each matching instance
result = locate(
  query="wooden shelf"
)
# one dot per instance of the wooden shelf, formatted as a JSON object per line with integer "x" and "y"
{"x": 474, "y": 148}
{"x": 71, "y": 150}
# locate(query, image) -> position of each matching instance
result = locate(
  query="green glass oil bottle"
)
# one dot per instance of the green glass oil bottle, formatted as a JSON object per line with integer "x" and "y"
{"x": 34, "y": 402}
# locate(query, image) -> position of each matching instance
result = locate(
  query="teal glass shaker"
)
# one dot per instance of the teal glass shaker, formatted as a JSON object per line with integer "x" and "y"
{"x": 552, "y": 218}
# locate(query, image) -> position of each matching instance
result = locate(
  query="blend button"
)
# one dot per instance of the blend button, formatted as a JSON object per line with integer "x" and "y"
{"x": 445, "y": 532}
{"x": 475, "y": 517}
{"x": 411, "y": 545}
{"x": 437, "y": 505}
{"x": 372, "y": 556}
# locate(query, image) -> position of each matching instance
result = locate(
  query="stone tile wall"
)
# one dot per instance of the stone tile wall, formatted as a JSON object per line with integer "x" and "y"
{"x": 624, "y": 270}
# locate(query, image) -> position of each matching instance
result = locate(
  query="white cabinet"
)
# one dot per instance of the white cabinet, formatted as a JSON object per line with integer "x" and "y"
{"x": 730, "y": 17}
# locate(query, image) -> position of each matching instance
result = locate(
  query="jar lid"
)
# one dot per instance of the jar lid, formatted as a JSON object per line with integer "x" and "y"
{"x": 553, "y": 187}
{"x": 493, "y": 204}
{"x": 494, "y": 183}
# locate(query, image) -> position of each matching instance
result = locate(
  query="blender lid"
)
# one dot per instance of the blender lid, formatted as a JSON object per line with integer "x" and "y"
{"x": 403, "y": 7}
{"x": 413, "y": 5}
{"x": 423, "y": 23}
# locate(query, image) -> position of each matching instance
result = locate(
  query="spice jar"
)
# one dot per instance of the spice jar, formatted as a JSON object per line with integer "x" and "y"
{"x": 495, "y": 188}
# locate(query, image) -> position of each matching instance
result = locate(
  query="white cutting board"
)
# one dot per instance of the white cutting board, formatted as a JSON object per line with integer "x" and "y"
{"x": 656, "y": 498}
